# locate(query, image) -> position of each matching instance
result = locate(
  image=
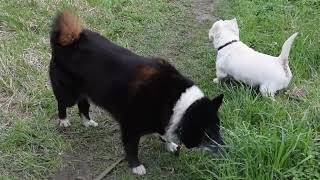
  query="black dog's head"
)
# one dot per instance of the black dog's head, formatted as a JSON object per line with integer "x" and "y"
{"x": 201, "y": 125}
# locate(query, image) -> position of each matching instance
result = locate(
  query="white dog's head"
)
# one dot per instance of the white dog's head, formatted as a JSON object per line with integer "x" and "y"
{"x": 223, "y": 31}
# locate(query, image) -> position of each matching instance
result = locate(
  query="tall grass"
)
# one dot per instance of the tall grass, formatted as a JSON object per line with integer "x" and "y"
{"x": 270, "y": 140}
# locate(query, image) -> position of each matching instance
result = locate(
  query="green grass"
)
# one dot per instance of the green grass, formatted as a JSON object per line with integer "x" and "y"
{"x": 269, "y": 140}
{"x": 29, "y": 143}
{"x": 278, "y": 140}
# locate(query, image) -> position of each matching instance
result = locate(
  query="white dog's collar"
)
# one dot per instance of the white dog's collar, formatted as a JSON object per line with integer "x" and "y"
{"x": 226, "y": 44}
{"x": 186, "y": 99}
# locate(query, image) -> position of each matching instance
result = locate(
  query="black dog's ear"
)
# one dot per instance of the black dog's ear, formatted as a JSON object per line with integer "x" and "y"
{"x": 217, "y": 101}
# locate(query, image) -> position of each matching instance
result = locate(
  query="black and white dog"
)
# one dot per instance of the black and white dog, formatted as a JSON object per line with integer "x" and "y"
{"x": 145, "y": 95}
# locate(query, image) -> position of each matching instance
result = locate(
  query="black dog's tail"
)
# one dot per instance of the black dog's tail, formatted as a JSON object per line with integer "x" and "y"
{"x": 66, "y": 29}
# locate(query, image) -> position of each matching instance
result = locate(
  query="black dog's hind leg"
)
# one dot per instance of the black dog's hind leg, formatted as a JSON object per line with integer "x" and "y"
{"x": 131, "y": 143}
{"x": 84, "y": 106}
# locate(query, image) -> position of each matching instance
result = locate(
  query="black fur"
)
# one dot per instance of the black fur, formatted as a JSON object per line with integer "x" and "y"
{"x": 94, "y": 68}
{"x": 201, "y": 117}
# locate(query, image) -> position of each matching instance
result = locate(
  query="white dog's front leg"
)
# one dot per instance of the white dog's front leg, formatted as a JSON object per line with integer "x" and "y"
{"x": 216, "y": 80}
{"x": 220, "y": 75}
{"x": 267, "y": 91}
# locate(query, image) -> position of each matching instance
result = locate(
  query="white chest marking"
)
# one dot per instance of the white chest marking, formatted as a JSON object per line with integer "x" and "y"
{"x": 186, "y": 99}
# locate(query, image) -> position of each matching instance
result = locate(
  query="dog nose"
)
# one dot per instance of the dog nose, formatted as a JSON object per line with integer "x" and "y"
{"x": 218, "y": 150}
{"x": 215, "y": 148}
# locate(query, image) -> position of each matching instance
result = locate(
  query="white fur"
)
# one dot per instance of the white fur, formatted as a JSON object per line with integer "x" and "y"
{"x": 247, "y": 65}
{"x": 64, "y": 122}
{"x": 187, "y": 98}
{"x": 139, "y": 170}
{"x": 88, "y": 122}
{"x": 172, "y": 147}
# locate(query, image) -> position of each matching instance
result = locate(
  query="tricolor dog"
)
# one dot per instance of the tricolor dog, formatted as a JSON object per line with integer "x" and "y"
{"x": 244, "y": 64}
{"x": 145, "y": 95}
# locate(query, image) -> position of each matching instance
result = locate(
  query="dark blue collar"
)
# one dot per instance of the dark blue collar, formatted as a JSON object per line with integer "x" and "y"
{"x": 227, "y": 44}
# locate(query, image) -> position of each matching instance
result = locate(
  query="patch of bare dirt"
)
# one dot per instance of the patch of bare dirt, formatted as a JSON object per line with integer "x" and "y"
{"x": 203, "y": 9}
{"x": 10, "y": 105}
{"x": 201, "y": 15}
{"x": 297, "y": 92}
{"x": 94, "y": 149}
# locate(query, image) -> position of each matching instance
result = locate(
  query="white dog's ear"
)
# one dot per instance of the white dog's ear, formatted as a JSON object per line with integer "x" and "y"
{"x": 235, "y": 23}
{"x": 235, "y": 20}
{"x": 234, "y": 26}
{"x": 215, "y": 29}
{"x": 217, "y": 26}
{"x": 210, "y": 36}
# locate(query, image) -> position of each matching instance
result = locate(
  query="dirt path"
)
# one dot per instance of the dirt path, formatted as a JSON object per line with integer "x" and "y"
{"x": 93, "y": 150}
{"x": 203, "y": 9}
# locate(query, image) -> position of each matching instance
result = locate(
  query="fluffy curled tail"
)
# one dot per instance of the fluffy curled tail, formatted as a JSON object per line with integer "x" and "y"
{"x": 66, "y": 28}
{"x": 286, "y": 48}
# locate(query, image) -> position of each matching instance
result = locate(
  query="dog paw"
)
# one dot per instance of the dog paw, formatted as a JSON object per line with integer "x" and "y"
{"x": 64, "y": 123}
{"x": 216, "y": 80}
{"x": 172, "y": 147}
{"x": 139, "y": 170}
{"x": 89, "y": 123}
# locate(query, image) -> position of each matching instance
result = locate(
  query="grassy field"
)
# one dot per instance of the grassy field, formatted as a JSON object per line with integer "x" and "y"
{"x": 30, "y": 142}
{"x": 278, "y": 140}
{"x": 269, "y": 140}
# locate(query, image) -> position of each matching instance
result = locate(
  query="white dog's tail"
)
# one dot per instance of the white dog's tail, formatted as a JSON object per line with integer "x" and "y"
{"x": 286, "y": 48}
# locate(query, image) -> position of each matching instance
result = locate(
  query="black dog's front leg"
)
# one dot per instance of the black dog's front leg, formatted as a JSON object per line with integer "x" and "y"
{"x": 62, "y": 110}
{"x": 131, "y": 143}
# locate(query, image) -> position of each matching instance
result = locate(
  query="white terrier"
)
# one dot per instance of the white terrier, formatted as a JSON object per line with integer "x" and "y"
{"x": 247, "y": 65}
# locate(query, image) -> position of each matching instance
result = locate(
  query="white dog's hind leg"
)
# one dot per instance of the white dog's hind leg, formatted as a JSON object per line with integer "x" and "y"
{"x": 220, "y": 75}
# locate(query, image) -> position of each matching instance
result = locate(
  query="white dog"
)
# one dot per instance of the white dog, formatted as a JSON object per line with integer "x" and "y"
{"x": 247, "y": 65}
